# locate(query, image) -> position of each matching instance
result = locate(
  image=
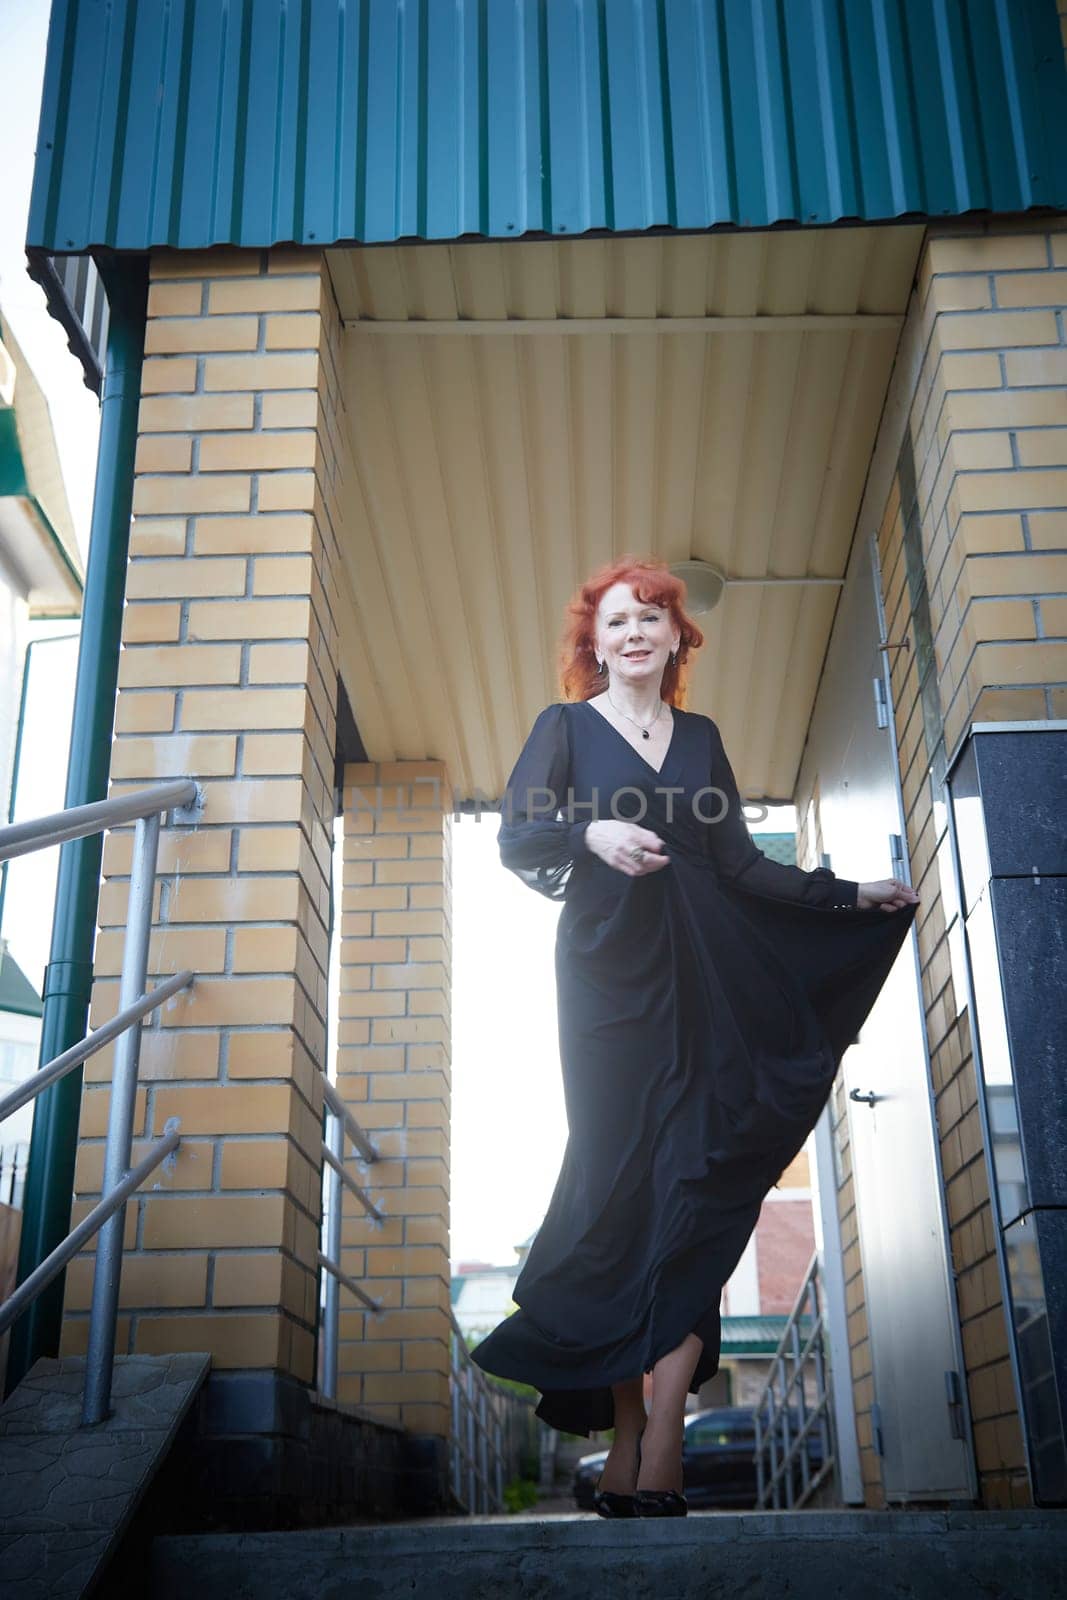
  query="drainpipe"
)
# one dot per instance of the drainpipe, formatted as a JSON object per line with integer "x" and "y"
{"x": 68, "y": 977}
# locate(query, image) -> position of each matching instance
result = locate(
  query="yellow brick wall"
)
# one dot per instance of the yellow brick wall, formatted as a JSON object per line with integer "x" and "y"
{"x": 991, "y": 444}
{"x": 394, "y": 1071}
{"x": 981, "y": 487}
{"x": 229, "y": 675}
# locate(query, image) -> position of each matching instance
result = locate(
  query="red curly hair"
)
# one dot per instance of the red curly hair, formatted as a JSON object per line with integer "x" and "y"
{"x": 653, "y": 583}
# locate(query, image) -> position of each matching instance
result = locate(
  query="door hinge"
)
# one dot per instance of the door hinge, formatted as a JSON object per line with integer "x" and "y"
{"x": 896, "y": 855}
{"x": 881, "y": 704}
{"x": 954, "y": 1399}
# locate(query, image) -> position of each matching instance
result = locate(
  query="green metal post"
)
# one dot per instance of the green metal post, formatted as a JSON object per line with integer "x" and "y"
{"x": 68, "y": 978}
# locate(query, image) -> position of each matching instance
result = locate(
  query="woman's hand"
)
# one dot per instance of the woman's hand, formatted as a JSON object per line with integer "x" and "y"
{"x": 892, "y": 894}
{"x": 615, "y": 842}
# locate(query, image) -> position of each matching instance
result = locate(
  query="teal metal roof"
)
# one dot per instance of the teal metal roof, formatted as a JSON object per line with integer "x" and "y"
{"x": 168, "y": 122}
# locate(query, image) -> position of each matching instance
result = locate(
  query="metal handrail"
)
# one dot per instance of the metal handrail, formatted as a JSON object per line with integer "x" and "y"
{"x": 351, "y": 1285}
{"x": 107, "y": 1218}
{"x": 45, "y": 1076}
{"x": 52, "y": 1265}
{"x": 486, "y": 1418}
{"x": 779, "y": 1448}
{"x": 77, "y": 822}
{"x": 350, "y": 1183}
{"x": 337, "y": 1107}
{"x": 339, "y": 1121}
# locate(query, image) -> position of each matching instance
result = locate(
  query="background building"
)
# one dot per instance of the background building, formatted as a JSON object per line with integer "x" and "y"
{"x": 40, "y": 578}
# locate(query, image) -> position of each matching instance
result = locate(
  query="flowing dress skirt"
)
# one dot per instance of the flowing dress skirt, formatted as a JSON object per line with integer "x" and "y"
{"x": 701, "y": 1025}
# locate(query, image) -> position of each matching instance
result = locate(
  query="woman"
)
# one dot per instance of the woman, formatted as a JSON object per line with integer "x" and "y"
{"x": 706, "y": 995}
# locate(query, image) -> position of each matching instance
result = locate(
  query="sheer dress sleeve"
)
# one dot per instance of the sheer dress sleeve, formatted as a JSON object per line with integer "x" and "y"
{"x": 740, "y": 860}
{"x": 535, "y": 843}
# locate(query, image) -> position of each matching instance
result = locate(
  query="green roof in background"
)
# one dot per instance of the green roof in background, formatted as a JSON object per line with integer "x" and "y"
{"x": 778, "y": 847}
{"x": 757, "y": 1336}
{"x": 16, "y": 991}
{"x": 321, "y": 121}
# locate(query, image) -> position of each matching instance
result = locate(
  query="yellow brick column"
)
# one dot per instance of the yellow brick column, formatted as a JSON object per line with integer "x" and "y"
{"x": 394, "y": 1070}
{"x": 997, "y": 514}
{"x": 972, "y": 547}
{"x": 228, "y": 675}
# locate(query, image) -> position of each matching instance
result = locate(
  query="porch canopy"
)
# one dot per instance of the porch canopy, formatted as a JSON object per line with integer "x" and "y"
{"x": 322, "y": 121}
{"x": 615, "y": 274}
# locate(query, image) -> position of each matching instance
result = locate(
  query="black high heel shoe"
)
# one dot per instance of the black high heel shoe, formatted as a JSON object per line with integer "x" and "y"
{"x": 660, "y": 1503}
{"x": 612, "y": 1503}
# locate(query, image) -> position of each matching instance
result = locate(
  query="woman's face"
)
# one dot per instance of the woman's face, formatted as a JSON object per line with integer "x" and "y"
{"x": 633, "y": 638}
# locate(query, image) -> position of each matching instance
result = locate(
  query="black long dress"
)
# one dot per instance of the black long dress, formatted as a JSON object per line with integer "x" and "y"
{"x": 703, "y": 1012}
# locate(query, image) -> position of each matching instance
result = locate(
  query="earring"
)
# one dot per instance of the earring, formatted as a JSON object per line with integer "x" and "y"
{"x": 674, "y": 657}
{"x": 599, "y": 665}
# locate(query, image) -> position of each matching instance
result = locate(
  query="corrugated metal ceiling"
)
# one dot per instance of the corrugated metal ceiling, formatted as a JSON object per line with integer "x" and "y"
{"x": 180, "y": 123}
{"x": 494, "y": 466}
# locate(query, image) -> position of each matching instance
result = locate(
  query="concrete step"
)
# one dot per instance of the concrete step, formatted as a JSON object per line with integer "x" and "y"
{"x": 815, "y": 1555}
{"x": 67, "y": 1493}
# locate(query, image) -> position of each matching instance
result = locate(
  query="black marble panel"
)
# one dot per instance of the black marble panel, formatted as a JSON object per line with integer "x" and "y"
{"x": 1030, "y": 918}
{"x": 1023, "y": 782}
{"x": 1036, "y": 1248}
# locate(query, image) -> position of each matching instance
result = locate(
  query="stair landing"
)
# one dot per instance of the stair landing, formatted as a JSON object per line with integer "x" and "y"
{"x": 807, "y": 1555}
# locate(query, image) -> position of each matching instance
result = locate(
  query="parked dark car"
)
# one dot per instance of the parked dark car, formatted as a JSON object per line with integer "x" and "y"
{"x": 718, "y": 1460}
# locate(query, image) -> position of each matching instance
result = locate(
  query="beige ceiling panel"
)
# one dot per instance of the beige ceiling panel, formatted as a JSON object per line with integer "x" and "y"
{"x": 406, "y": 629}
{"x": 480, "y": 283}
{"x": 679, "y": 424}
{"x": 848, "y": 453}
{"x": 495, "y": 464}
{"x": 525, "y": 662}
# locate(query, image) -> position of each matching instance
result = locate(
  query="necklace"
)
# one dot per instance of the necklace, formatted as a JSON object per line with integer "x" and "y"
{"x": 626, "y": 714}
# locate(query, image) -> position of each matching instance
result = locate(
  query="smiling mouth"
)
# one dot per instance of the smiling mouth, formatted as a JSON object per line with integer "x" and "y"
{"x": 636, "y": 655}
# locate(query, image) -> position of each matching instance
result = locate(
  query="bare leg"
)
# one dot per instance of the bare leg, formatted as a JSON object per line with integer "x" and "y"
{"x": 661, "y": 1448}
{"x": 620, "y": 1469}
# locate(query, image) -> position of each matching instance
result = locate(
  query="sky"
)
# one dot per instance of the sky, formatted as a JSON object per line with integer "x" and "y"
{"x": 508, "y": 1119}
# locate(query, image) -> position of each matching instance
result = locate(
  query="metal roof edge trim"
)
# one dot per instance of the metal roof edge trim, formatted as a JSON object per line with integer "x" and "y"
{"x": 41, "y": 269}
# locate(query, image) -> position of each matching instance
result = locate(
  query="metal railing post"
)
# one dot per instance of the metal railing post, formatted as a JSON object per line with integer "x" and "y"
{"x": 472, "y": 1479}
{"x": 101, "y": 1352}
{"x": 483, "y": 1452}
{"x": 335, "y": 1143}
{"x": 782, "y": 1451}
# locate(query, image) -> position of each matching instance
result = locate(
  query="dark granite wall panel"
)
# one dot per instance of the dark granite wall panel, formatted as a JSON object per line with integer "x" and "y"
{"x": 1009, "y": 806}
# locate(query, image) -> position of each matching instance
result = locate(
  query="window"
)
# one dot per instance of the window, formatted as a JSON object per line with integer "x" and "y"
{"x": 17, "y": 1060}
{"x": 723, "y": 1433}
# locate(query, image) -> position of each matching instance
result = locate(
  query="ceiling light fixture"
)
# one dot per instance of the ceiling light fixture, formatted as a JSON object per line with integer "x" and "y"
{"x": 703, "y": 584}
